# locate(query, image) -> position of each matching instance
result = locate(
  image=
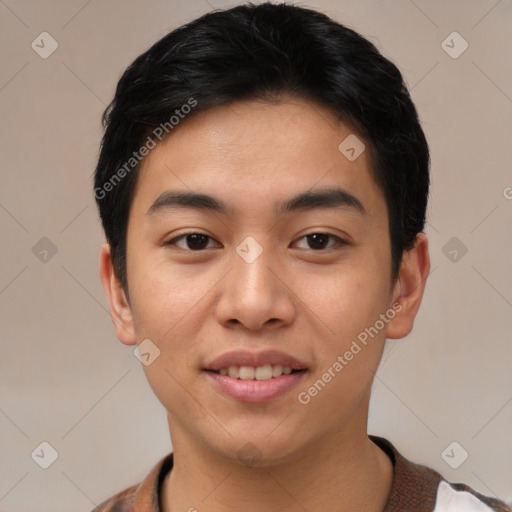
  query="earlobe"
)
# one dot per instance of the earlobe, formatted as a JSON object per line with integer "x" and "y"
{"x": 120, "y": 310}
{"x": 408, "y": 291}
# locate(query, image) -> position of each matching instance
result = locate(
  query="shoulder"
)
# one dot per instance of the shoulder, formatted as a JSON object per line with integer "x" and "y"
{"x": 143, "y": 497}
{"x": 420, "y": 488}
{"x": 120, "y": 502}
{"x": 452, "y": 496}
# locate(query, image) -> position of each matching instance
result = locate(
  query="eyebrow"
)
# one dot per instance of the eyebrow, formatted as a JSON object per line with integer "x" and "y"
{"x": 325, "y": 198}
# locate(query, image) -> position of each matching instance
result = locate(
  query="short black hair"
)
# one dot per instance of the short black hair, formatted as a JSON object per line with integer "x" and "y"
{"x": 264, "y": 51}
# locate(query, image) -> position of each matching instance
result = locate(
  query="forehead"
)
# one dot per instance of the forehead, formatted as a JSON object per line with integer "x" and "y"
{"x": 255, "y": 154}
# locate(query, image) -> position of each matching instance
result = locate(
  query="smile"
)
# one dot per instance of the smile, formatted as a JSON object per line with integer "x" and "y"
{"x": 255, "y": 384}
{"x": 264, "y": 372}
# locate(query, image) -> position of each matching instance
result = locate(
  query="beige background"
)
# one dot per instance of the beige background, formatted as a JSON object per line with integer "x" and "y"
{"x": 66, "y": 380}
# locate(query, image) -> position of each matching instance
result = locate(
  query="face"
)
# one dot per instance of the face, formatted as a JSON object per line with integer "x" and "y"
{"x": 286, "y": 262}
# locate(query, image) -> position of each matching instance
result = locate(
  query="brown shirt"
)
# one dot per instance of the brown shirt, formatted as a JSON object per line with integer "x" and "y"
{"x": 415, "y": 488}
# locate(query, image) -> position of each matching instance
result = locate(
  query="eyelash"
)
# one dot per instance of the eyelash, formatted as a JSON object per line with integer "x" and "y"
{"x": 339, "y": 241}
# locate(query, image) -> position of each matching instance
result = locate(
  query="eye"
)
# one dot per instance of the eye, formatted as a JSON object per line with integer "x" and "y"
{"x": 318, "y": 241}
{"x": 199, "y": 241}
{"x": 192, "y": 241}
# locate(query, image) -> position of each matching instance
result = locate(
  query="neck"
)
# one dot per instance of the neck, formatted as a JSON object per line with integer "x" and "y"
{"x": 344, "y": 472}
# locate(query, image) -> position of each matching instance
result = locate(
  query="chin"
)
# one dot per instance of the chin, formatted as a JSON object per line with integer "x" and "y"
{"x": 260, "y": 450}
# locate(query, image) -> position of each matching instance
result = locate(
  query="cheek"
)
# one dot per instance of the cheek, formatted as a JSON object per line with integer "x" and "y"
{"x": 164, "y": 297}
{"x": 167, "y": 310}
{"x": 347, "y": 356}
{"x": 343, "y": 303}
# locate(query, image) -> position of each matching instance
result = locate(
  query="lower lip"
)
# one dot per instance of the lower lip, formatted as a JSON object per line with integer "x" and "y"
{"x": 255, "y": 390}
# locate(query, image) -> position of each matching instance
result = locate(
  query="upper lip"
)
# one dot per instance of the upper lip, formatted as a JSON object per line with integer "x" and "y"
{"x": 251, "y": 358}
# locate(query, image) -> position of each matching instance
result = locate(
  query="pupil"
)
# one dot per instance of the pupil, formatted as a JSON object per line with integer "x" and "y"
{"x": 194, "y": 241}
{"x": 317, "y": 240}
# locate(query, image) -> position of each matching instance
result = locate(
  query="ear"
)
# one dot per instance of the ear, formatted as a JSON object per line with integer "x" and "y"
{"x": 409, "y": 288}
{"x": 120, "y": 310}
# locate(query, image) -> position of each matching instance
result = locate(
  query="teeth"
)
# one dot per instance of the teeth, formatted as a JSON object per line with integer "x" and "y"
{"x": 277, "y": 370}
{"x": 264, "y": 372}
{"x": 246, "y": 372}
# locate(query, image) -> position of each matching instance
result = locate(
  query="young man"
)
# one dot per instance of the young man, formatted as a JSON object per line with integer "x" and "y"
{"x": 262, "y": 184}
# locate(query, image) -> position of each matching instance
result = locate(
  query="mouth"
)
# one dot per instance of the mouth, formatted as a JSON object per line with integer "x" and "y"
{"x": 254, "y": 376}
{"x": 250, "y": 376}
{"x": 252, "y": 389}
{"x": 258, "y": 373}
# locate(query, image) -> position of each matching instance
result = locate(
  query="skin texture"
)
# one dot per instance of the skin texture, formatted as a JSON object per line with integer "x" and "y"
{"x": 310, "y": 303}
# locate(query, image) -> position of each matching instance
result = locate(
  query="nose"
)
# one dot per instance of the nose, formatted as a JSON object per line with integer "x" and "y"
{"x": 255, "y": 294}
